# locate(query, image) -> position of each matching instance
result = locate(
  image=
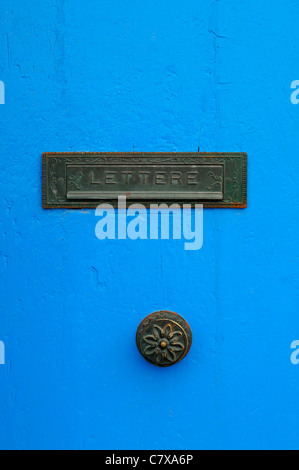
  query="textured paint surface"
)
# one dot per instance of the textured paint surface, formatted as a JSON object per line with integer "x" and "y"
{"x": 150, "y": 76}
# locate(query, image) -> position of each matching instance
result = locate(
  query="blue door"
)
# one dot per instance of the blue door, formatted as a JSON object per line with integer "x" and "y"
{"x": 149, "y": 76}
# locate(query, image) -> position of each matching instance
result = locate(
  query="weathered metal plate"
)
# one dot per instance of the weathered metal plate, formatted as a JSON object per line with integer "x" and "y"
{"x": 85, "y": 180}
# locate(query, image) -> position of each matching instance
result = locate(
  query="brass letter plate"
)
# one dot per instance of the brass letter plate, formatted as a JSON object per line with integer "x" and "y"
{"x": 85, "y": 180}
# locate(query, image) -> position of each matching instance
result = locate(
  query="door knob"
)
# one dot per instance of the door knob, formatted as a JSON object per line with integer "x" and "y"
{"x": 164, "y": 338}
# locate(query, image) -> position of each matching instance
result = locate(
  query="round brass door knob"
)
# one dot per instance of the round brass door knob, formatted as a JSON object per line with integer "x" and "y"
{"x": 164, "y": 338}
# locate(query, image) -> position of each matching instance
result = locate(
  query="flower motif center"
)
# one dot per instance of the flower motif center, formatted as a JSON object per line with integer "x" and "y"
{"x": 164, "y": 345}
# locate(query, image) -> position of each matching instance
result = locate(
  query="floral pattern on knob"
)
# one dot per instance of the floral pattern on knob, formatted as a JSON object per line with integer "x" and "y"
{"x": 164, "y": 338}
{"x": 164, "y": 344}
